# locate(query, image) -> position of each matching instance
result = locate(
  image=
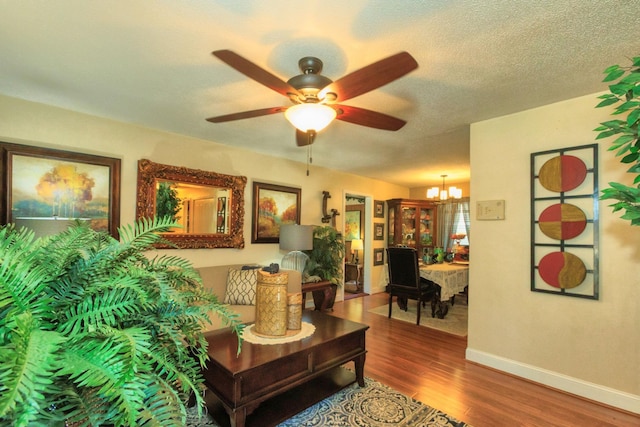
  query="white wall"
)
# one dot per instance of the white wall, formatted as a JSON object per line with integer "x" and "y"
{"x": 36, "y": 124}
{"x": 587, "y": 347}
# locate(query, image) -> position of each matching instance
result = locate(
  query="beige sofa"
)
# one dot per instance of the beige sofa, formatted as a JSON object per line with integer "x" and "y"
{"x": 214, "y": 279}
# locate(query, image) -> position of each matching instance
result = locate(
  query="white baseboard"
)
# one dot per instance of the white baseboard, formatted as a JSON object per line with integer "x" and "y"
{"x": 608, "y": 396}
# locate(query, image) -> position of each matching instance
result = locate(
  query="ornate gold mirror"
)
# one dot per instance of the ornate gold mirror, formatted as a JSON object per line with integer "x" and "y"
{"x": 208, "y": 205}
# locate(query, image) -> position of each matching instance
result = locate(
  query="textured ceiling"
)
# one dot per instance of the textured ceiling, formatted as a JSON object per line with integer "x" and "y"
{"x": 150, "y": 63}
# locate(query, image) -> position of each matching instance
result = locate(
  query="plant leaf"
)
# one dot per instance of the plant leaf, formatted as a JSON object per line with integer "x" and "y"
{"x": 630, "y": 158}
{"x": 608, "y": 101}
{"x": 613, "y": 73}
{"x": 633, "y": 117}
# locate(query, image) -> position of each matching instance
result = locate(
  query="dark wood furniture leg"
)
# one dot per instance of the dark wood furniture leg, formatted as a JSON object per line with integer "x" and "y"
{"x": 236, "y": 418}
{"x": 359, "y": 365}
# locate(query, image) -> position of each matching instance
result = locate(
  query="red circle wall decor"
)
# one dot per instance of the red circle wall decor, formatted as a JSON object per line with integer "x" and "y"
{"x": 562, "y": 173}
{"x": 562, "y": 270}
{"x": 562, "y": 221}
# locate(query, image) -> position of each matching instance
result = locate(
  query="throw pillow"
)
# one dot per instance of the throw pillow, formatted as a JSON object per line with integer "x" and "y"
{"x": 241, "y": 287}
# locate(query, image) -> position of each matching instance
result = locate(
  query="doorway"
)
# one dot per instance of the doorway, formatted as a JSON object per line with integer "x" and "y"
{"x": 357, "y": 242}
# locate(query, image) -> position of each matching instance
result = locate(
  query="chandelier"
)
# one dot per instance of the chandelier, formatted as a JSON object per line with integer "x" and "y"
{"x": 442, "y": 194}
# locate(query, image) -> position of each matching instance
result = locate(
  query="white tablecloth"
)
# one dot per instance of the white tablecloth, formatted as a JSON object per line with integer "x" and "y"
{"x": 452, "y": 278}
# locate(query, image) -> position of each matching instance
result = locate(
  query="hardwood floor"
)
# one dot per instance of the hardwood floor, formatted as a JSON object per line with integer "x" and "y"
{"x": 430, "y": 366}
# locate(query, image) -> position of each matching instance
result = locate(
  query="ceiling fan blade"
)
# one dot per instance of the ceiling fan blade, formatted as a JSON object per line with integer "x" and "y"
{"x": 363, "y": 117}
{"x": 255, "y": 72}
{"x": 371, "y": 77}
{"x": 246, "y": 114}
{"x": 304, "y": 138}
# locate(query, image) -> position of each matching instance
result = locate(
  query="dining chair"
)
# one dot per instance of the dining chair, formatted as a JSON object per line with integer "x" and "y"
{"x": 405, "y": 282}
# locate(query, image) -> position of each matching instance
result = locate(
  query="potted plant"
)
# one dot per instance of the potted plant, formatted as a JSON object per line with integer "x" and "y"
{"x": 94, "y": 332}
{"x": 626, "y": 93}
{"x": 326, "y": 259}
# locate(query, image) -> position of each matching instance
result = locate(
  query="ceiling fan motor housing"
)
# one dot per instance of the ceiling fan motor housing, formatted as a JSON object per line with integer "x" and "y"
{"x": 310, "y": 82}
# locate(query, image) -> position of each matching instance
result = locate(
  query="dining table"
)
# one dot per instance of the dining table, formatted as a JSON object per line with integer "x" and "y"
{"x": 452, "y": 278}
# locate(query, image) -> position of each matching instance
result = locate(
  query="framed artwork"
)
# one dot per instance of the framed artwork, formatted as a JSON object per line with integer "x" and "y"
{"x": 378, "y": 231}
{"x": 378, "y": 256}
{"x": 564, "y": 222}
{"x": 273, "y": 205}
{"x": 47, "y": 189}
{"x": 378, "y": 209}
{"x": 352, "y": 224}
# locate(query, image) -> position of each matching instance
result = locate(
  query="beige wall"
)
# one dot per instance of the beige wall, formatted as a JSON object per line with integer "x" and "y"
{"x": 36, "y": 124}
{"x": 583, "y": 346}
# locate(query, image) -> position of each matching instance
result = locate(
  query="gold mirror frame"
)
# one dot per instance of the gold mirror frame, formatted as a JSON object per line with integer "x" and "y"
{"x": 148, "y": 175}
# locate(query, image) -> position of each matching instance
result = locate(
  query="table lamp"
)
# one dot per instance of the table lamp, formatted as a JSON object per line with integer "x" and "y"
{"x": 356, "y": 245}
{"x": 296, "y": 238}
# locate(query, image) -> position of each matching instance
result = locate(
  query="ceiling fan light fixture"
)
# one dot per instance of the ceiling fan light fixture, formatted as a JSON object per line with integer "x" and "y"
{"x": 310, "y": 116}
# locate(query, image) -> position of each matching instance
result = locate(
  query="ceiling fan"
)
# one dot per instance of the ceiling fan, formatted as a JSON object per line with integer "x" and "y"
{"x": 313, "y": 91}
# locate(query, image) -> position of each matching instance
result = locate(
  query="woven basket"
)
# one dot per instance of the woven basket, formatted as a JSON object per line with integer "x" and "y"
{"x": 271, "y": 304}
{"x": 294, "y": 311}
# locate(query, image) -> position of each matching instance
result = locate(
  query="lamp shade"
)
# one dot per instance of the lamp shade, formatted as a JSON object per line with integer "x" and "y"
{"x": 432, "y": 193}
{"x": 356, "y": 244}
{"x": 310, "y": 116}
{"x": 454, "y": 192}
{"x": 294, "y": 237}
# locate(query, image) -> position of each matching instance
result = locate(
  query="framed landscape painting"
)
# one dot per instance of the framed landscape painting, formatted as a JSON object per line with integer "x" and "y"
{"x": 352, "y": 225}
{"x": 47, "y": 189}
{"x": 273, "y": 205}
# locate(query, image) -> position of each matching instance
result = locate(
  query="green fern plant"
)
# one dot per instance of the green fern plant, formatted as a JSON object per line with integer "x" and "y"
{"x": 95, "y": 332}
{"x": 625, "y": 94}
{"x": 326, "y": 259}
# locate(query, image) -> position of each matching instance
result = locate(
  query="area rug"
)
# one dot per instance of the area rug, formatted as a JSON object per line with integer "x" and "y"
{"x": 375, "y": 405}
{"x": 455, "y": 322}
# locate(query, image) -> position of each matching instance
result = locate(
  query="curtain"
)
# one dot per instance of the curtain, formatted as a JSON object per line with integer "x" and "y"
{"x": 446, "y": 223}
{"x": 464, "y": 205}
{"x": 448, "y": 217}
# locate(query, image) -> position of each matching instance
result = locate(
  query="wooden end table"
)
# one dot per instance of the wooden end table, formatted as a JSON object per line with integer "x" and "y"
{"x": 267, "y": 384}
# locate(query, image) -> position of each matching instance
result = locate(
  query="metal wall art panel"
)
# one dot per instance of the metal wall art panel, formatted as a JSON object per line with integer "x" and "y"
{"x": 564, "y": 221}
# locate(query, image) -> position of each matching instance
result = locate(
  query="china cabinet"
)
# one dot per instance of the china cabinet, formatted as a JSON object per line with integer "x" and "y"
{"x": 412, "y": 223}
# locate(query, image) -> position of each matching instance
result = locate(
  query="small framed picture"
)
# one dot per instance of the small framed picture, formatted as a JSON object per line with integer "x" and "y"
{"x": 378, "y": 256}
{"x": 378, "y": 209}
{"x": 378, "y": 231}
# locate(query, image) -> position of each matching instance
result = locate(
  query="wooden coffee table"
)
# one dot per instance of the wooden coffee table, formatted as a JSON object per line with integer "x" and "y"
{"x": 267, "y": 384}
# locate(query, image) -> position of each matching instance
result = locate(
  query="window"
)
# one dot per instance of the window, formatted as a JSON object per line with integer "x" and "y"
{"x": 461, "y": 226}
